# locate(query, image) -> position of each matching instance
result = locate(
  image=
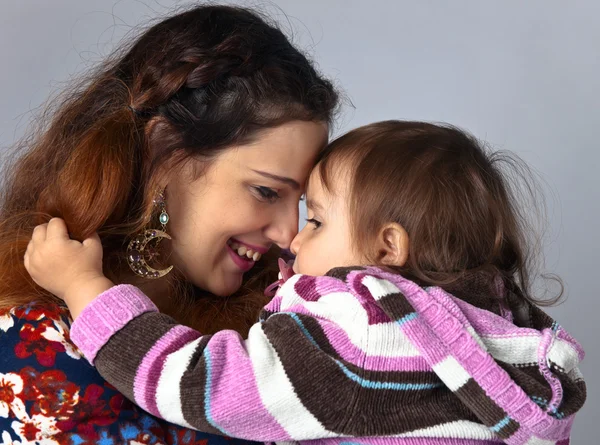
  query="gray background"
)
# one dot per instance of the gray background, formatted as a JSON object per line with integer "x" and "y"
{"x": 525, "y": 76}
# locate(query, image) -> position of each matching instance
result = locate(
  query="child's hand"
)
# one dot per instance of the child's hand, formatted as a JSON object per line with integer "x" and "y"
{"x": 63, "y": 266}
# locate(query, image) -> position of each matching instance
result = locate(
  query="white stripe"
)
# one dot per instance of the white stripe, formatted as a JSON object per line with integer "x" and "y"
{"x": 379, "y": 288}
{"x": 538, "y": 441}
{"x": 564, "y": 355}
{"x": 168, "y": 393}
{"x": 515, "y": 350}
{"x": 276, "y": 390}
{"x": 460, "y": 428}
{"x": 381, "y": 339}
{"x": 344, "y": 310}
{"x": 523, "y": 350}
{"x": 451, "y": 373}
{"x": 476, "y": 337}
{"x": 575, "y": 374}
{"x": 288, "y": 294}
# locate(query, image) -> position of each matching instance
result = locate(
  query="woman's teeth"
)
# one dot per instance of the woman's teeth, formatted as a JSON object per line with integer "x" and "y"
{"x": 243, "y": 251}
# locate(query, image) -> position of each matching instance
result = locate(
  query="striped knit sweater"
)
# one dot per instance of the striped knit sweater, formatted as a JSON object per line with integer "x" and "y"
{"x": 358, "y": 356}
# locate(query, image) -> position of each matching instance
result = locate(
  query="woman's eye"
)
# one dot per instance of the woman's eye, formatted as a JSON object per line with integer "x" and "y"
{"x": 314, "y": 222}
{"x": 267, "y": 194}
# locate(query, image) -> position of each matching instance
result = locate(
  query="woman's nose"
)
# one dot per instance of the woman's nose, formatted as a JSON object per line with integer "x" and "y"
{"x": 284, "y": 228}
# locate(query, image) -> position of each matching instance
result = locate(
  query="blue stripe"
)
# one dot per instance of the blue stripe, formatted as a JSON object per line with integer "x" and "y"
{"x": 500, "y": 424}
{"x": 356, "y": 378}
{"x": 407, "y": 318}
{"x": 302, "y": 327}
{"x": 386, "y": 385}
{"x": 207, "y": 391}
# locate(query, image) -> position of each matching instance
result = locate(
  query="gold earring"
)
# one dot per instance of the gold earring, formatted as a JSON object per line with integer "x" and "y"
{"x": 139, "y": 252}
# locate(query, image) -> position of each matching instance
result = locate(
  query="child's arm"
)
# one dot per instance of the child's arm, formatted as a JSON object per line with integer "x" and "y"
{"x": 264, "y": 388}
{"x": 218, "y": 384}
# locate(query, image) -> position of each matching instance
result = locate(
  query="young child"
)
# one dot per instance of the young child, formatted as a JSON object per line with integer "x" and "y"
{"x": 407, "y": 321}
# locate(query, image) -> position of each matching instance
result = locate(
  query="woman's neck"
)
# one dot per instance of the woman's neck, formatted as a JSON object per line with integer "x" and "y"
{"x": 156, "y": 290}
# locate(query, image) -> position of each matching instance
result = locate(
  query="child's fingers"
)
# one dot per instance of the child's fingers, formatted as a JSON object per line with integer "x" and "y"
{"x": 57, "y": 229}
{"x": 39, "y": 233}
{"x": 26, "y": 258}
{"x": 28, "y": 254}
{"x": 93, "y": 241}
{"x": 29, "y": 250}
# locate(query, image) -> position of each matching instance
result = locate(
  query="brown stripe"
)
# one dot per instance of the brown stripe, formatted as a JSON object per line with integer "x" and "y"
{"x": 316, "y": 331}
{"x": 540, "y": 319}
{"x": 341, "y": 273}
{"x": 574, "y": 396}
{"x": 529, "y": 378}
{"x": 402, "y": 414}
{"x": 264, "y": 314}
{"x": 574, "y": 393}
{"x": 344, "y": 406}
{"x": 509, "y": 429}
{"x": 484, "y": 407}
{"x": 396, "y": 306}
{"x": 192, "y": 389}
{"x": 119, "y": 360}
{"x": 534, "y": 384}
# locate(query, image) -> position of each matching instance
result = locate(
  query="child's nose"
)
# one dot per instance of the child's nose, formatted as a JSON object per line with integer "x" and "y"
{"x": 295, "y": 244}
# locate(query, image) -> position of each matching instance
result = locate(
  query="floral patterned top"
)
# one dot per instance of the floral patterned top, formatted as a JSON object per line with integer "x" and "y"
{"x": 49, "y": 394}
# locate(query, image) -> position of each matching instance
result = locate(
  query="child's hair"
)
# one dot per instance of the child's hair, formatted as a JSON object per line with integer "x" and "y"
{"x": 453, "y": 196}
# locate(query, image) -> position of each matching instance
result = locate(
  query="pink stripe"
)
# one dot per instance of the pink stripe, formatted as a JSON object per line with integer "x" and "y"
{"x": 402, "y": 441}
{"x": 420, "y": 335}
{"x": 106, "y": 315}
{"x": 274, "y": 304}
{"x": 236, "y": 405}
{"x": 329, "y": 285}
{"x": 148, "y": 373}
{"x": 339, "y": 340}
{"x": 487, "y": 323}
{"x": 481, "y": 366}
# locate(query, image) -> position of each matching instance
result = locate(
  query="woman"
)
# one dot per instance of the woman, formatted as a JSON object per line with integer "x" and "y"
{"x": 187, "y": 152}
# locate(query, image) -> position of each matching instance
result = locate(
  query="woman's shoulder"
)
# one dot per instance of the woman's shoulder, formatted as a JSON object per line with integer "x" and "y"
{"x": 49, "y": 393}
{"x": 36, "y": 333}
{"x": 42, "y": 373}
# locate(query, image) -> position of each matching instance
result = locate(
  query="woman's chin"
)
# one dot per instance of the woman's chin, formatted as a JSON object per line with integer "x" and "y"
{"x": 224, "y": 288}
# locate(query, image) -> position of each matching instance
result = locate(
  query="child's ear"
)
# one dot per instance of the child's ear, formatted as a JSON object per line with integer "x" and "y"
{"x": 392, "y": 245}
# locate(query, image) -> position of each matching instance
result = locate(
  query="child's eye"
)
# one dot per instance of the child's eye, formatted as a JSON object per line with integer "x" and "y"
{"x": 314, "y": 222}
{"x": 266, "y": 194}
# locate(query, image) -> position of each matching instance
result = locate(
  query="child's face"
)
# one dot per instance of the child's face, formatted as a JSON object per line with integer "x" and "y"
{"x": 325, "y": 242}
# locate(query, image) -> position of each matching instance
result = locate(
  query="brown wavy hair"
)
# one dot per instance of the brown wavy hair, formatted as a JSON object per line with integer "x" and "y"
{"x": 460, "y": 203}
{"x": 212, "y": 77}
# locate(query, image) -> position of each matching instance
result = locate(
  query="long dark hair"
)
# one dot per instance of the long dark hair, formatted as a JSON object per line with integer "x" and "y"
{"x": 212, "y": 76}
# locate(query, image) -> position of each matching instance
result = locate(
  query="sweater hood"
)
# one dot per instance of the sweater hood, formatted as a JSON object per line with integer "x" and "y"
{"x": 511, "y": 364}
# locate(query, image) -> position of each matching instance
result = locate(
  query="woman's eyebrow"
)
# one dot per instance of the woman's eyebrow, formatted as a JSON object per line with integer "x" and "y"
{"x": 289, "y": 181}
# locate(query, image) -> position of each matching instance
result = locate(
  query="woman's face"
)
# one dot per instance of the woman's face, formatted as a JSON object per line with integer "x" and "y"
{"x": 246, "y": 201}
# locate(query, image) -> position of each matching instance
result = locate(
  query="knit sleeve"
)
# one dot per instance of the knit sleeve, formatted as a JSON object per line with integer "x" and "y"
{"x": 49, "y": 394}
{"x": 268, "y": 387}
